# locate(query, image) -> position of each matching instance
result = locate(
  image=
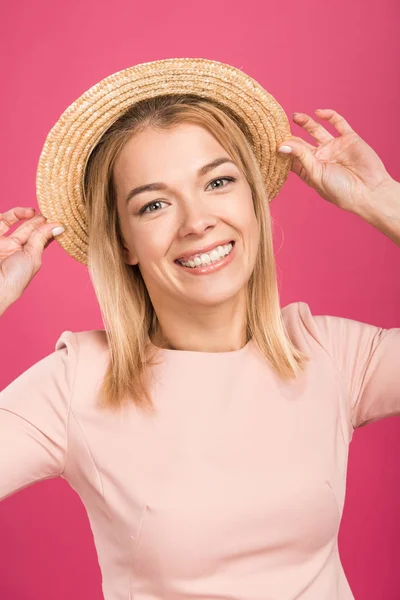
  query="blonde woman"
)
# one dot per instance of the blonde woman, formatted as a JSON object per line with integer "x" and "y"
{"x": 206, "y": 428}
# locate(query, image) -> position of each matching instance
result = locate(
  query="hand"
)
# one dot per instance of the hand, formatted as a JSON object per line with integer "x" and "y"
{"x": 21, "y": 251}
{"x": 344, "y": 170}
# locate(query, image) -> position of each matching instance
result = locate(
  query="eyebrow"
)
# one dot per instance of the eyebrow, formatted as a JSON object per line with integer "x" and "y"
{"x": 158, "y": 186}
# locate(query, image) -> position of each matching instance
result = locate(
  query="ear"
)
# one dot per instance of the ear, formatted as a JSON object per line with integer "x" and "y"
{"x": 130, "y": 257}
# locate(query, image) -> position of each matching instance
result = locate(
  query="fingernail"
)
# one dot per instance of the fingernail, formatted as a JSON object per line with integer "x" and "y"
{"x": 285, "y": 149}
{"x": 57, "y": 231}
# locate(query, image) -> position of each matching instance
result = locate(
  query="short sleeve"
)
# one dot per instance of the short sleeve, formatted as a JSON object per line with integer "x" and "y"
{"x": 368, "y": 360}
{"x": 34, "y": 410}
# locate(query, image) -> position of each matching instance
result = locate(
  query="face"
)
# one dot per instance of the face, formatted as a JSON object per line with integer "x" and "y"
{"x": 193, "y": 213}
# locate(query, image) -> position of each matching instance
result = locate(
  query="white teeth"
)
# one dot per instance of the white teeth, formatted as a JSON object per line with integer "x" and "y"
{"x": 214, "y": 254}
{"x": 208, "y": 257}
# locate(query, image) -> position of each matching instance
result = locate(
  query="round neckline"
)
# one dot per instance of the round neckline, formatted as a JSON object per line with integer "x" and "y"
{"x": 171, "y": 352}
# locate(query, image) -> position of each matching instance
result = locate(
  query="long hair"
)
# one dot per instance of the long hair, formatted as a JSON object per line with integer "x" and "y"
{"x": 128, "y": 315}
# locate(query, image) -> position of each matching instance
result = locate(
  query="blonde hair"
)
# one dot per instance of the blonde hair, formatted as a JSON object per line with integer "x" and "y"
{"x": 126, "y": 308}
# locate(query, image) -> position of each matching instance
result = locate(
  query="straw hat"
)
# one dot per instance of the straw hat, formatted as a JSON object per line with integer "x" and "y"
{"x": 62, "y": 162}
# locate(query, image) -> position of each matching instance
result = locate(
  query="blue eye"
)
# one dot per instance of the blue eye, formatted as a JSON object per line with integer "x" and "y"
{"x": 150, "y": 204}
{"x": 144, "y": 209}
{"x": 229, "y": 179}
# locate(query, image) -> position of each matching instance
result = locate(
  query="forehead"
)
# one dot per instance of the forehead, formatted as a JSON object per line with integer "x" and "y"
{"x": 159, "y": 148}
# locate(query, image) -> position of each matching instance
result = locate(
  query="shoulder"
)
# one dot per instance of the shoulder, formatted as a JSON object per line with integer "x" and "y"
{"x": 87, "y": 354}
{"x": 300, "y": 322}
{"x": 343, "y": 339}
{"x": 92, "y": 340}
{"x": 312, "y": 332}
{"x": 89, "y": 350}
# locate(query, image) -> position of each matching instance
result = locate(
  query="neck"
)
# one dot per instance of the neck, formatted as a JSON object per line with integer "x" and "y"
{"x": 202, "y": 329}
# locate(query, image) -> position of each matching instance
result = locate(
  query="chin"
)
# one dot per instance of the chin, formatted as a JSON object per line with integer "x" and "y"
{"x": 214, "y": 296}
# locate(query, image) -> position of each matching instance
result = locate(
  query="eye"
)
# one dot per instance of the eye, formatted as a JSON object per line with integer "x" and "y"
{"x": 147, "y": 208}
{"x": 228, "y": 179}
{"x": 149, "y": 205}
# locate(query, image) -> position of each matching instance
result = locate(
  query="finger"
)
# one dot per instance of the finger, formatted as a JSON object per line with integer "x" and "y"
{"x": 47, "y": 244}
{"x": 22, "y": 233}
{"x": 297, "y": 168}
{"x": 12, "y": 216}
{"x": 305, "y": 163}
{"x": 39, "y": 240}
{"x": 299, "y": 140}
{"x": 335, "y": 119}
{"x": 318, "y": 132}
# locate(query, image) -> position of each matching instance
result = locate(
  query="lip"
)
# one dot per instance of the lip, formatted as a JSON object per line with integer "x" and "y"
{"x": 211, "y": 267}
{"x": 203, "y": 250}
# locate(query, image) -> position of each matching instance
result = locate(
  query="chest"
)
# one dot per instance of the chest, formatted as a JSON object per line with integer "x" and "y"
{"x": 235, "y": 466}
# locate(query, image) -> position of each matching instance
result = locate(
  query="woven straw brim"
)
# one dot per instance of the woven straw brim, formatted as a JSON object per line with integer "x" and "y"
{"x": 62, "y": 163}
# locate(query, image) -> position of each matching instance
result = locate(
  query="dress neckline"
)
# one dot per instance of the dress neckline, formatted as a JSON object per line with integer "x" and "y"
{"x": 171, "y": 353}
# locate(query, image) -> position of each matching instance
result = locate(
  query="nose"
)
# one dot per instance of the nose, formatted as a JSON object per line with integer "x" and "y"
{"x": 196, "y": 218}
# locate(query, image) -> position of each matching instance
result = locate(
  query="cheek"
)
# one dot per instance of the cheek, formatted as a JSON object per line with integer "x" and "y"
{"x": 152, "y": 243}
{"x": 245, "y": 217}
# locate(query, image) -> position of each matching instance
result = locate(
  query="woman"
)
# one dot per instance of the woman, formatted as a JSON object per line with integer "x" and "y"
{"x": 205, "y": 429}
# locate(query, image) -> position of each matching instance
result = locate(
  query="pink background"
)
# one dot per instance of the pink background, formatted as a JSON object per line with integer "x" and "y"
{"x": 309, "y": 55}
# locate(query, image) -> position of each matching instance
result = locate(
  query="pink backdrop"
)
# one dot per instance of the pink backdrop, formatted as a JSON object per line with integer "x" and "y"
{"x": 309, "y": 54}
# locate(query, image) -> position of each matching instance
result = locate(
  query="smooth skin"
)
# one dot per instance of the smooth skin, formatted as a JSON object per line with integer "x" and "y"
{"x": 196, "y": 312}
{"x": 344, "y": 170}
{"x": 21, "y": 251}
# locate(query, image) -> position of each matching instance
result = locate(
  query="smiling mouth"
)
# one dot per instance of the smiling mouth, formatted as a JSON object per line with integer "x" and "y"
{"x": 217, "y": 255}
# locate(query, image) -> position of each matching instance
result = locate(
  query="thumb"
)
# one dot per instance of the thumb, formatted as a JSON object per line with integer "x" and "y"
{"x": 41, "y": 238}
{"x": 305, "y": 164}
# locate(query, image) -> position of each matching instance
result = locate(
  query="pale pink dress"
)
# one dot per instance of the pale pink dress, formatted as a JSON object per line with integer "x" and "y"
{"x": 234, "y": 489}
